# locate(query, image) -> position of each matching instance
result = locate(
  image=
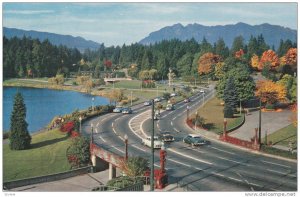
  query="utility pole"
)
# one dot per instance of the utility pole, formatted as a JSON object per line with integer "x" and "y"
{"x": 152, "y": 151}
{"x": 259, "y": 125}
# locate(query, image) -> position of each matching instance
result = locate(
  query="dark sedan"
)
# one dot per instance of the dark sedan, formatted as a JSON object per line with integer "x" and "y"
{"x": 194, "y": 140}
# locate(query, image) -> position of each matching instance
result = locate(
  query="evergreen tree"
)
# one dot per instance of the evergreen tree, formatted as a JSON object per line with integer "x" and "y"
{"x": 230, "y": 98}
{"x": 19, "y": 138}
{"x": 221, "y": 49}
{"x": 238, "y": 43}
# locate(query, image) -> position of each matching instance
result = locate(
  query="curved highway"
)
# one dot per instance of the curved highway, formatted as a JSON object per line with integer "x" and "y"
{"x": 212, "y": 167}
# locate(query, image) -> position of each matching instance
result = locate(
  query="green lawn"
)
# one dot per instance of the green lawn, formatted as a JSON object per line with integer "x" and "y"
{"x": 212, "y": 112}
{"x": 46, "y": 156}
{"x": 284, "y": 136}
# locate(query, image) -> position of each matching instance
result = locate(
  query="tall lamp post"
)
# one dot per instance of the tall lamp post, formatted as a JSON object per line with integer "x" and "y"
{"x": 196, "y": 119}
{"x": 92, "y": 134}
{"x": 259, "y": 125}
{"x": 131, "y": 98}
{"x": 80, "y": 119}
{"x": 187, "y": 112}
{"x": 203, "y": 98}
{"x": 93, "y": 104}
{"x": 152, "y": 150}
{"x": 126, "y": 146}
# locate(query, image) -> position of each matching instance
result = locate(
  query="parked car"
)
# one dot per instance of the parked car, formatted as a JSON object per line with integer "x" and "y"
{"x": 157, "y": 143}
{"x": 157, "y": 99}
{"x": 187, "y": 100}
{"x": 202, "y": 91}
{"x": 127, "y": 110}
{"x": 170, "y": 107}
{"x": 147, "y": 103}
{"x": 173, "y": 94}
{"x": 194, "y": 140}
{"x": 118, "y": 110}
{"x": 167, "y": 137}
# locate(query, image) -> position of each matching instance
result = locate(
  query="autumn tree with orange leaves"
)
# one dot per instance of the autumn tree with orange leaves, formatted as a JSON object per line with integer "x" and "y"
{"x": 270, "y": 92}
{"x": 206, "y": 61}
{"x": 291, "y": 57}
{"x": 255, "y": 61}
{"x": 269, "y": 58}
{"x": 239, "y": 54}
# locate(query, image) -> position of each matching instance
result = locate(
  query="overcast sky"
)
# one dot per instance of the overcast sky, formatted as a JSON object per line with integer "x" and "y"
{"x": 118, "y": 23}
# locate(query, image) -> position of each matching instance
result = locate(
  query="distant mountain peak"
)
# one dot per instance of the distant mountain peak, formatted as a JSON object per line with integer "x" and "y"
{"x": 56, "y": 39}
{"x": 272, "y": 33}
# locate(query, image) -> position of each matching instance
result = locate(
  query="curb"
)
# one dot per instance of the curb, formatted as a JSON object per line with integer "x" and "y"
{"x": 214, "y": 137}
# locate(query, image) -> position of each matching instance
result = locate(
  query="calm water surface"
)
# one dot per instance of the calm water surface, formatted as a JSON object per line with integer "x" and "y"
{"x": 43, "y": 104}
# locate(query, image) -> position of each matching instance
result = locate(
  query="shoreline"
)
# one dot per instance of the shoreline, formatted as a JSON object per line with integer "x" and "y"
{"x": 50, "y": 87}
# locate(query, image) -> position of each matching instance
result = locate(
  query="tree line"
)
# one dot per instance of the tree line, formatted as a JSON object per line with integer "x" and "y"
{"x": 28, "y": 57}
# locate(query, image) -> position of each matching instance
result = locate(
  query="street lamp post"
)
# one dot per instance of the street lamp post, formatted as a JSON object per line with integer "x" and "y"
{"x": 157, "y": 91}
{"x": 80, "y": 119}
{"x": 224, "y": 130}
{"x": 240, "y": 107}
{"x": 131, "y": 98}
{"x": 152, "y": 151}
{"x": 93, "y": 104}
{"x": 92, "y": 134}
{"x": 203, "y": 98}
{"x": 187, "y": 112}
{"x": 196, "y": 119}
{"x": 126, "y": 146}
{"x": 259, "y": 125}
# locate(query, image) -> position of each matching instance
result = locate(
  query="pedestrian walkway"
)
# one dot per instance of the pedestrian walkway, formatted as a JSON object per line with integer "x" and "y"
{"x": 270, "y": 122}
{"x": 83, "y": 183}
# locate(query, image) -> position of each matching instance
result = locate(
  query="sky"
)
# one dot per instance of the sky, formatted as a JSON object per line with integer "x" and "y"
{"x": 126, "y": 23}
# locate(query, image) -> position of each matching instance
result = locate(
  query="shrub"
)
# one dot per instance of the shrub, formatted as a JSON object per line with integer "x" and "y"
{"x": 67, "y": 127}
{"x": 78, "y": 153}
{"x": 228, "y": 112}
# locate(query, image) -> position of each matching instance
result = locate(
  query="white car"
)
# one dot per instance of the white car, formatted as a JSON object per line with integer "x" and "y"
{"x": 157, "y": 143}
{"x": 118, "y": 110}
{"x": 202, "y": 91}
{"x": 173, "y": 94}
{"x": 157, "y": 99}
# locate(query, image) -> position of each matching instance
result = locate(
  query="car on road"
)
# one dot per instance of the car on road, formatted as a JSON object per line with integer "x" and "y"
{"x": 157, "y": 99}
{"x": 167, "y": 137}
{"x": 170, "y": 107}
{"x": 147, "y": 103}
{"x": 173, "y": 94}
{"x": 157, "y": 143}
{"x": 194, "y": 140}
{"x": 127, "y": 110}
{"x": 202, "y": 91}
{"x": 118, "y": 110}
{"x": 187, "y": 100}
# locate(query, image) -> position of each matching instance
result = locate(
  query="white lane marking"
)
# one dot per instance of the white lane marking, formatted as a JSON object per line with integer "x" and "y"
{"x": 176, "y": 130}
{"x": 282, "y": 173}
{"x": 277, "y": 164}
{"x": 222, "y": 150}
{"x": 171, "y": 123}
{"x": 135, "y": 146}
{"x": 102, "y": 138}
{"x": 190, "y": 157}
{"x": 234, "y": 161}
{"x": 245, "y": 180}
{"x": 117, "y": 149}
{"x": 113, "y": 128}
{"x": 97, "y": 124}
{"x": 179, "y": 162}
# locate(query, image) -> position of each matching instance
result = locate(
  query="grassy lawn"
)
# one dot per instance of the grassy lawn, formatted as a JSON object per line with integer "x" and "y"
{"x": 47, "y": 156}
{"x": 284, "y": 136}
{"x": 212, "y": 112}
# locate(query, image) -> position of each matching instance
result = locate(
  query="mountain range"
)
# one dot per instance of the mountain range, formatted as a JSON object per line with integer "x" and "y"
{"x": 272, "y": 33}
{"x": 56, "y": 39}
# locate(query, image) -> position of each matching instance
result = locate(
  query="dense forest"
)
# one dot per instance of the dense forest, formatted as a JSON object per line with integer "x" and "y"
{"x": 28, "y": 57}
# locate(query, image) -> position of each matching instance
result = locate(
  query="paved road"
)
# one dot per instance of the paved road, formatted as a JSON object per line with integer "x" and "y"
{"x": 214, "y": 167}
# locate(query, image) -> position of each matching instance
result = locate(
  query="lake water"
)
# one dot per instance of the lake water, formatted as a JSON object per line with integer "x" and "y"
{"x": 44, "y": 104}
